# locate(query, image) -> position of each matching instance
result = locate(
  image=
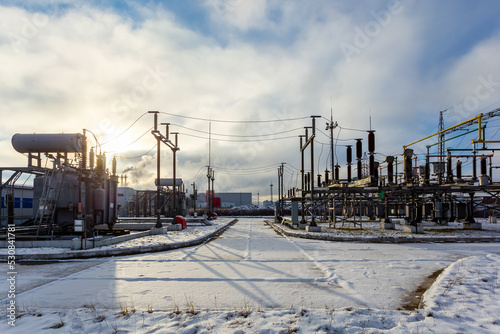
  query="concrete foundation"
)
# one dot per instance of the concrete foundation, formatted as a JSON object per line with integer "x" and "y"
{"x": 302, "y": 226}
{"x": 173, "y": 227}
{"x": 493, "y": 220}
{"x": 387, "y": 226}
{"x": 313, "y": 229}
{"x": 295, "y": 213}
{"x": 413, "y": 229}
{"x": 473, "y": 226}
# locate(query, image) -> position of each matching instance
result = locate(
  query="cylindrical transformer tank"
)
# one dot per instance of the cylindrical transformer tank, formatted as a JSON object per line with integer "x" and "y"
{"x": 48, "y": 142}
{"x": 169, "y": 182}
{"x": 99, "y": 199}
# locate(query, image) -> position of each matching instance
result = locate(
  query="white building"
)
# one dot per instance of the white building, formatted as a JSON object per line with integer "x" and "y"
{"x": 22, "y": 203}
{"x": 125, "y": 201}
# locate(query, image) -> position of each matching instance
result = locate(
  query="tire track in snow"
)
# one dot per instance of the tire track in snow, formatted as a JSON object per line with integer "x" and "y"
{"x": 194, "y": 249}
{"x": 330, "y": 277}
{"x": 248, "y": 255}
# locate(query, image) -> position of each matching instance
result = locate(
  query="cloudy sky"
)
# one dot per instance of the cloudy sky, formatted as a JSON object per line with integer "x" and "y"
{"x": 257, "y": 69}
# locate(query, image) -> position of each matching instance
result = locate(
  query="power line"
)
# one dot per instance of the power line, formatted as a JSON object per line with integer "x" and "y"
{"x": 253, "y": 168}
{"x": 136, "y": 157}
{"x": 236, "y": 141}
{"x": 238, "y": 136}
{"x": 97, "y": 141}
{"x": 147, "y": 131}
{"x": 234, "y": 121}
{"x": 131, "y": 125}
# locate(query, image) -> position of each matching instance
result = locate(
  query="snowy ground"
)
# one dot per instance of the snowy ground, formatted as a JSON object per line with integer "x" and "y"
{"x": 188, "y": 234}
{"x": 370, "y": 229}
{"x": 254, "y": 280}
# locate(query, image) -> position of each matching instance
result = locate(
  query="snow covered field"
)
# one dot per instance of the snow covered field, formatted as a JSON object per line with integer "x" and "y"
{"x": 252, "y": 280}
{"x": 190, "y": 233}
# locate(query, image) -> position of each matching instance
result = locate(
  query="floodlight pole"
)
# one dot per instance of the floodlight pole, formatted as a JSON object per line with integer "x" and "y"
{"x": 271, "y": 192}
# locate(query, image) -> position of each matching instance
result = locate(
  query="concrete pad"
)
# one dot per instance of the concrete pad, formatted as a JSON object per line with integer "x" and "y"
{"x": 413, "y": 229}
{"x": 302, "y": 226}
{"x": 473, "y": 226}
{"x": 161, "y": 230}
{"x": 174, "y": 227}
{"x": 387, "y": 226}
{"x": 313, "y": 229}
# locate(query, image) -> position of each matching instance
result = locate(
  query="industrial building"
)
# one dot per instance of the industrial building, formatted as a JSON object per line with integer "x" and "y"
{"x": 21, "y": 201}
{"x": 226, "y": 200}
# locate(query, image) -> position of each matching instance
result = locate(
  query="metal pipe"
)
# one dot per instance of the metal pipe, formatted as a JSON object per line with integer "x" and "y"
{"x": 455, "y": 126}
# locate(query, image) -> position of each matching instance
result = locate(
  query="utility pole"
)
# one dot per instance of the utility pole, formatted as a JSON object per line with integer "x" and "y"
{"x": 331, "y": 126}
{"x": 209, "y": 174}
{"x": 174, "y": 147}
{"x": 271, "y": 192}
{"x": 195, "y": 197}
{"x": 279, "y": 191}
{"x": 161, "y": 139}
{"x": 175, "y": 173}
{"x": 213, "y": 189}
{"x": 282, "y": 190}
{"x": 303, "y": 184}
{"x": 158, "y": 137}
{"x": 441, "y": 145}
{"x": 258, "y": 199}
{"x": 310, "y": 141}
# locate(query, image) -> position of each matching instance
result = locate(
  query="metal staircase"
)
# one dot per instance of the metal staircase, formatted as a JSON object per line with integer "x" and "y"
{"x": 53, "y": 181}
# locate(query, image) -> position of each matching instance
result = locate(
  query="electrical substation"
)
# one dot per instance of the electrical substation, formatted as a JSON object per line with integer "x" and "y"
{"x": 74, "y": 194}
{"x": 75, "y": 197}
{"x": 431, "y": 190}
{"x": 78, "y": 195}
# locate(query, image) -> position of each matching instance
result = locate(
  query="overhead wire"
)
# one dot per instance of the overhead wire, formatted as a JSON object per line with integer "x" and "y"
{"x": 234, "y": 121}
{"x": 147, "y": 131}
{"x": 236, "y": 140}
{"x": 238, "y": 136}
{"x": 136, "y": 157}
{"x": 128, "y": 128}
{"x": 97, "y": 141}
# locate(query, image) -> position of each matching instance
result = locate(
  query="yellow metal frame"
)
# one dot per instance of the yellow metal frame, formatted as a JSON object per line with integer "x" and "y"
{"x": 480, "y": 140}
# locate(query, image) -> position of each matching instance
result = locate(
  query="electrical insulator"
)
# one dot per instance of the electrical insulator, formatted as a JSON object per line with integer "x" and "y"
{"x": 371, "y": 141}
{"x": 114, "y": 166}
{"x": 372, "y": 165}
{"x": 349, "y": 154}
{"x": 91, "y": 158}
{"x": 390, "y": 168}
{"x": 359, "y": 149}
{"x": 483, "y": 166}
{"x": 459, "y": 170}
